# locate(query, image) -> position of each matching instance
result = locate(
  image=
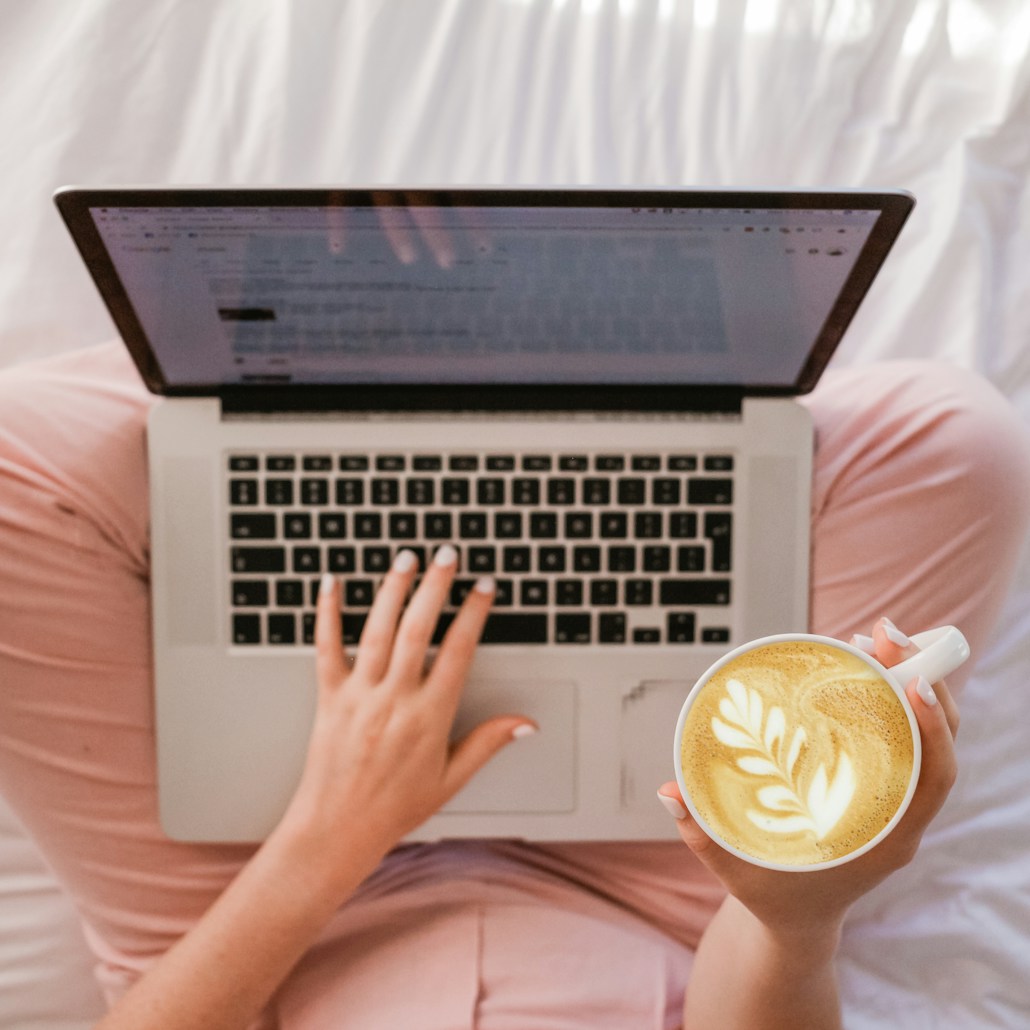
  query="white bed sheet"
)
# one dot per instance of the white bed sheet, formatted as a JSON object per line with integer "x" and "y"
{"x": 930, "y": 95}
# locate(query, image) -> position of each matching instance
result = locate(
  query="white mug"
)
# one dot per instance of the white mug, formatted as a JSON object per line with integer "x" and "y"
{"x": 941, "y": 651}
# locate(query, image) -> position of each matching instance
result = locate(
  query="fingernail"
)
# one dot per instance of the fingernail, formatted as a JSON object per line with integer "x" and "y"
{"x": 446, "y": 555}
{"x": 485, "y": 585}
{"x": 524, "y": 729}
{"x": 864, "y": 643}
{"x": 925, "y": 692}
{"x": 405, "y": 561}
{"x": 672, "y": 806}
{"x": 325, "y": 588}
{"x": 894, "y": 635}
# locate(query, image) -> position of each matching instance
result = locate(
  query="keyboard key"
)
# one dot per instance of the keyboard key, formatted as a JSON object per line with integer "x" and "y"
{"x": 332, "y": 526}
{"x": 586, "y": 559}
{"x": 244, "y": 526}
{"x": 534, "y": 592}
{"x": 543, "y": 525}
{"x": 307, "y": 622}
{"x": 719, "y": 463}
{"x": 385, "y": 491}
{"x": 297, "y": 525}
{"x": 551, "y": 559}
{"x": 258, "y": 559}
{"x": 472, "y": 525}
{"x": 420, "y": 491}
{"x": 314, "y": 491}
{"x": 454, "y": 491}
{"x": 656, "y": 558}
{"x": 688, "y": 592}
{"x": 647, "y": 636}
{"x": 609, "y": 463}
{"x": 597, "y": 491}
{"x": 278, "y": 491}
{"x": 463, "y": 463}
{"x": 645, "y": 463}
{"x": 368, "y": 525}
{"x": 438, "y": 526}
{"x": 353, "y": 463}
{"x": 579, "y": 525}
{"x": 517, "y": 559}
{"x": 561, "y": 491}
{"x": 490, "y": 491}
{"x": 403, "y": 525}
{"x": 611, "y": 628}
{"x": 427, "y": 463}
{"x": 715, "y": 635}
{"x": 682, "y": 524}
{"x": 690, "y": 558}
{"x": 500, "y": 463}
{"x": 353, "y": 625}
{"x": 613, "y": 525}
{"x": 358, "y": 593}
{"x": 246, "y": 629}
{"x": 248, "y": 593}
{"x": 632, "y": 491}
{"x": 719, "y": 529}
{"x": 317, "y": 463}
{"x": 307, "y": 559}
{"x": 342, "y": 559}
{"x": 536, "y": 463}
{"x": 680, "y": 628}
{"x": 508, "y": 525}
{"x": 390, "y": 463}
{"x": 568, "y": 592}
{"x": 665, "y": 491}
{"x": 647, "y": 525}
{"x": 572, "y": 628}
{"x": 710, "y": 491}
{"x": 243, "y": 463}
{"x": 525, "y": 491}
{"x": 350, "y": 492}
{"x": 481, "y": 559}
{"x": 515, "y": 628}
{"x": 639, "y": 592}
{"x": 289, "y": 593}
{"x": 375, "y": 559}
{"x": 573, "y": 463}
{"x": 243, "y": 491}
{"x": 604, "y": 592}
{"x": 282, "y": 628}
{"x": 280, "y": 463}
{"x": 622, "y": 559}
{"x": 682, "y": 463}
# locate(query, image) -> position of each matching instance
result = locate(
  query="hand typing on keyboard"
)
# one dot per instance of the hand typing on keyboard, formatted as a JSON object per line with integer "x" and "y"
{"x": 379, "y": 762}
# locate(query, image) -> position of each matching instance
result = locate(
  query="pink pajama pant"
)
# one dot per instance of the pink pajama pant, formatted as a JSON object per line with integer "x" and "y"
{"x": 921, "y": 502}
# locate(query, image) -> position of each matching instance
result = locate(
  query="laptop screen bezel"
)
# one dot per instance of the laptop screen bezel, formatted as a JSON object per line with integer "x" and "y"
{"x": 75, "y": 204}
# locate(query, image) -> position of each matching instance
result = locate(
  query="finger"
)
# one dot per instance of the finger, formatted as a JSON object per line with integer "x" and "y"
{"x": 947, "y": 702}
{"x": 476, "y": 749}
{"x": 890, "y": 645}
{"x": 454, "y": 658}
{"x": 436, "y": 236}
{"x": 330, "y": 660}
{"x": 938, "y": 768}
{"x": 416, "y": 628}
{"x": 693, "y": 836}
{"x": 396, "y": 227}
{"x": 381, "y": 625}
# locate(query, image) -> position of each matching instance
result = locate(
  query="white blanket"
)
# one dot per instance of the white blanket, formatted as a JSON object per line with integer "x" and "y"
{"x": 930, "y": 95}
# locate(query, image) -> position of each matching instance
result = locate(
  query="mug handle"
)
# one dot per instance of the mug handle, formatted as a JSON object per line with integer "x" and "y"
{"x": 941, "y": 651}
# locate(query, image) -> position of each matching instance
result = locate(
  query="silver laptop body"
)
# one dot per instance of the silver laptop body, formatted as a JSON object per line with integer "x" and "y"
{"x": 589, "y": 392}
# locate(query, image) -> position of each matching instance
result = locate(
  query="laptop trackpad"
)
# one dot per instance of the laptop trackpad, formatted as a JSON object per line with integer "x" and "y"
{"x": 536, "y": 774}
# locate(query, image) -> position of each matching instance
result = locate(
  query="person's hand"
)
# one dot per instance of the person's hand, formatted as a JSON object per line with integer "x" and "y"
{"x": 788, "y": 902}
{"x": 379, "y": 761}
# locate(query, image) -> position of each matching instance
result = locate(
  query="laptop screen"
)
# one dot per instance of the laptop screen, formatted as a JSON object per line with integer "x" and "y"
{"x": 493, "y": 288}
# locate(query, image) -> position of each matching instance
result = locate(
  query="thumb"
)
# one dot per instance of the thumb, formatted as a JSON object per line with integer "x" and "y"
{"x": 474, "y": 750}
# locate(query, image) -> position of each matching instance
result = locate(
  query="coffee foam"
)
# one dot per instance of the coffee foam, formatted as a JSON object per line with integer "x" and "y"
{"x": 797, "y": 752}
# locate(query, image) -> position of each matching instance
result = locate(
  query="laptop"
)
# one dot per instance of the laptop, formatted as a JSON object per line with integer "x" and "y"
{"x": 589, "y": 392}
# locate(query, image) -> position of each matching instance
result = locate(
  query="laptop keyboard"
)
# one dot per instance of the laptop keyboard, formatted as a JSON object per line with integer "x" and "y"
{"x": 605, "y": 548}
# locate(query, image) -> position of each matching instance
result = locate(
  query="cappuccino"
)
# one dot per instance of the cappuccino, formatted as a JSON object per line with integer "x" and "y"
{"x": 797, "y": 753}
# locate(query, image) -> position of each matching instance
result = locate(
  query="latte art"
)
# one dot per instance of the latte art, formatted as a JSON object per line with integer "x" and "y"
{"x": 797, "y": 753}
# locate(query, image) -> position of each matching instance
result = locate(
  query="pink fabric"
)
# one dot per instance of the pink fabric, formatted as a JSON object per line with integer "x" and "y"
{"x": 921, "y": 501}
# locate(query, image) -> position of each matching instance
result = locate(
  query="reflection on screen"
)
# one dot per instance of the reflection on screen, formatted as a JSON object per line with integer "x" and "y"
{"x": 396, "y": 294}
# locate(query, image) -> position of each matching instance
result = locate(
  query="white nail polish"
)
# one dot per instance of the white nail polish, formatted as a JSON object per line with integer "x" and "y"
{"x": 325, "y": 588}
{"x": 405, "y": 561}
{"x": 485, "y": 585}
{"x": 447, "y": 555}
{"x": 864, "y": 643}
{"x": 894, "y": 635}
{"x": 925, "y": 692}
{"x": 673, "y": 807}
{"x": 524, "y": 729}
